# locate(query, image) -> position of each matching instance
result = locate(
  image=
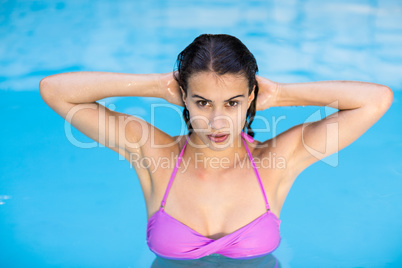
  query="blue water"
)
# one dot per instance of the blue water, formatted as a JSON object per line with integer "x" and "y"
{"x": 65, "y": 206}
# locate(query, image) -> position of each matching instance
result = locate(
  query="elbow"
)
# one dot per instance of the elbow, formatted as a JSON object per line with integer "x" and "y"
{"x": 382, "y": 100}
{"x": 45, "y": 90}
{"x": 386, "y": 97}
{"x": 43, "y": 85}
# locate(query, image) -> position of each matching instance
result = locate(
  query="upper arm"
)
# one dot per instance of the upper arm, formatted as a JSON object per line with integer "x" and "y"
{"x": 123, "y": 133}
{"x": 316, "y": 140}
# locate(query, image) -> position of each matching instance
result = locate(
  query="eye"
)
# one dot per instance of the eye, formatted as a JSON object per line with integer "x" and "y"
{"x": 202, "y": 103}
{"x": 233, "y": 103}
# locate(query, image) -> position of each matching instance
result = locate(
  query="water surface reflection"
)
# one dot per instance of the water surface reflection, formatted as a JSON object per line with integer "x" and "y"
{"x": 269, "y": 261}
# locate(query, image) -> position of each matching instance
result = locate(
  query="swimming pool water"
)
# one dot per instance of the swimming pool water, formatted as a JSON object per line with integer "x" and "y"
{"x": 65, "y": 206}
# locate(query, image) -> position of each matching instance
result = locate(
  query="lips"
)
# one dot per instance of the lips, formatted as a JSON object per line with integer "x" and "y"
{"x": 218, "y": 137}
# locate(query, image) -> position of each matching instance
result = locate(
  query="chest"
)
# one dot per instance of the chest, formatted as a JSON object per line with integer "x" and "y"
{"x": 217, "y": 204}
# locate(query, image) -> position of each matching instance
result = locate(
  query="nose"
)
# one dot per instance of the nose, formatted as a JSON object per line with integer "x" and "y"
{"x": 219, "y": 121}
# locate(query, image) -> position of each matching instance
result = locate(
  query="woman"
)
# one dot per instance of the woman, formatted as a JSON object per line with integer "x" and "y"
{"x": 222, "y": 200}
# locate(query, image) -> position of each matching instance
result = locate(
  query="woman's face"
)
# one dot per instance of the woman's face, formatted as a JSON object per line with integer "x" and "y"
{"x": 218, "y": 106}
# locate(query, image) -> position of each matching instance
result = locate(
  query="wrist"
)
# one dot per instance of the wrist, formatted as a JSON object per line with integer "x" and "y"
{"x": 169, "y": 89}
{"x": 277, "y": 94}
{"x": 156, "y": 86}
{"x": 160, "y": 87}
{"x": 268, "y": 94}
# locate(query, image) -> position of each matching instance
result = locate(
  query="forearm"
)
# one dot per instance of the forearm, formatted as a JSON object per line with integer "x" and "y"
{"x": 341, "y": 95}
{"x": 85, "y": 87}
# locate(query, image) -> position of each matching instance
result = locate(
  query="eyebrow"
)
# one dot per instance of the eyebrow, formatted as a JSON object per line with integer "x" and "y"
{"x": 198, "y": 96}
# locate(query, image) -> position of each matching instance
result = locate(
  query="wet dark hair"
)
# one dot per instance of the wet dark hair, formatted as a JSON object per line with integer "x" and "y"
{"x": 221, "y": 54}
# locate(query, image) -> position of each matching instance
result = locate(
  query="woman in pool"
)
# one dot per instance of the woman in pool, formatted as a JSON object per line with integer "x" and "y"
{"x": 223, "y": 199}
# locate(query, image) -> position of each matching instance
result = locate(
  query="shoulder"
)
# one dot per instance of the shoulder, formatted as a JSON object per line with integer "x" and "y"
{"x": 155, "y": 161}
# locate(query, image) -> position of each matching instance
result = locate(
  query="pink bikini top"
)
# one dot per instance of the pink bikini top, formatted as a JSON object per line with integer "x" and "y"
{"x": 171, "y": 239}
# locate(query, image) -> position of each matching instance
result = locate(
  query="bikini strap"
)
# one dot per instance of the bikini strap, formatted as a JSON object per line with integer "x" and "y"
{"x": 250, "y": 139}
{"x": 174, "y": 173}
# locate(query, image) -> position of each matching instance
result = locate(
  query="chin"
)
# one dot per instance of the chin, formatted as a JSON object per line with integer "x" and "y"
{"x": 218, "y": 146}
